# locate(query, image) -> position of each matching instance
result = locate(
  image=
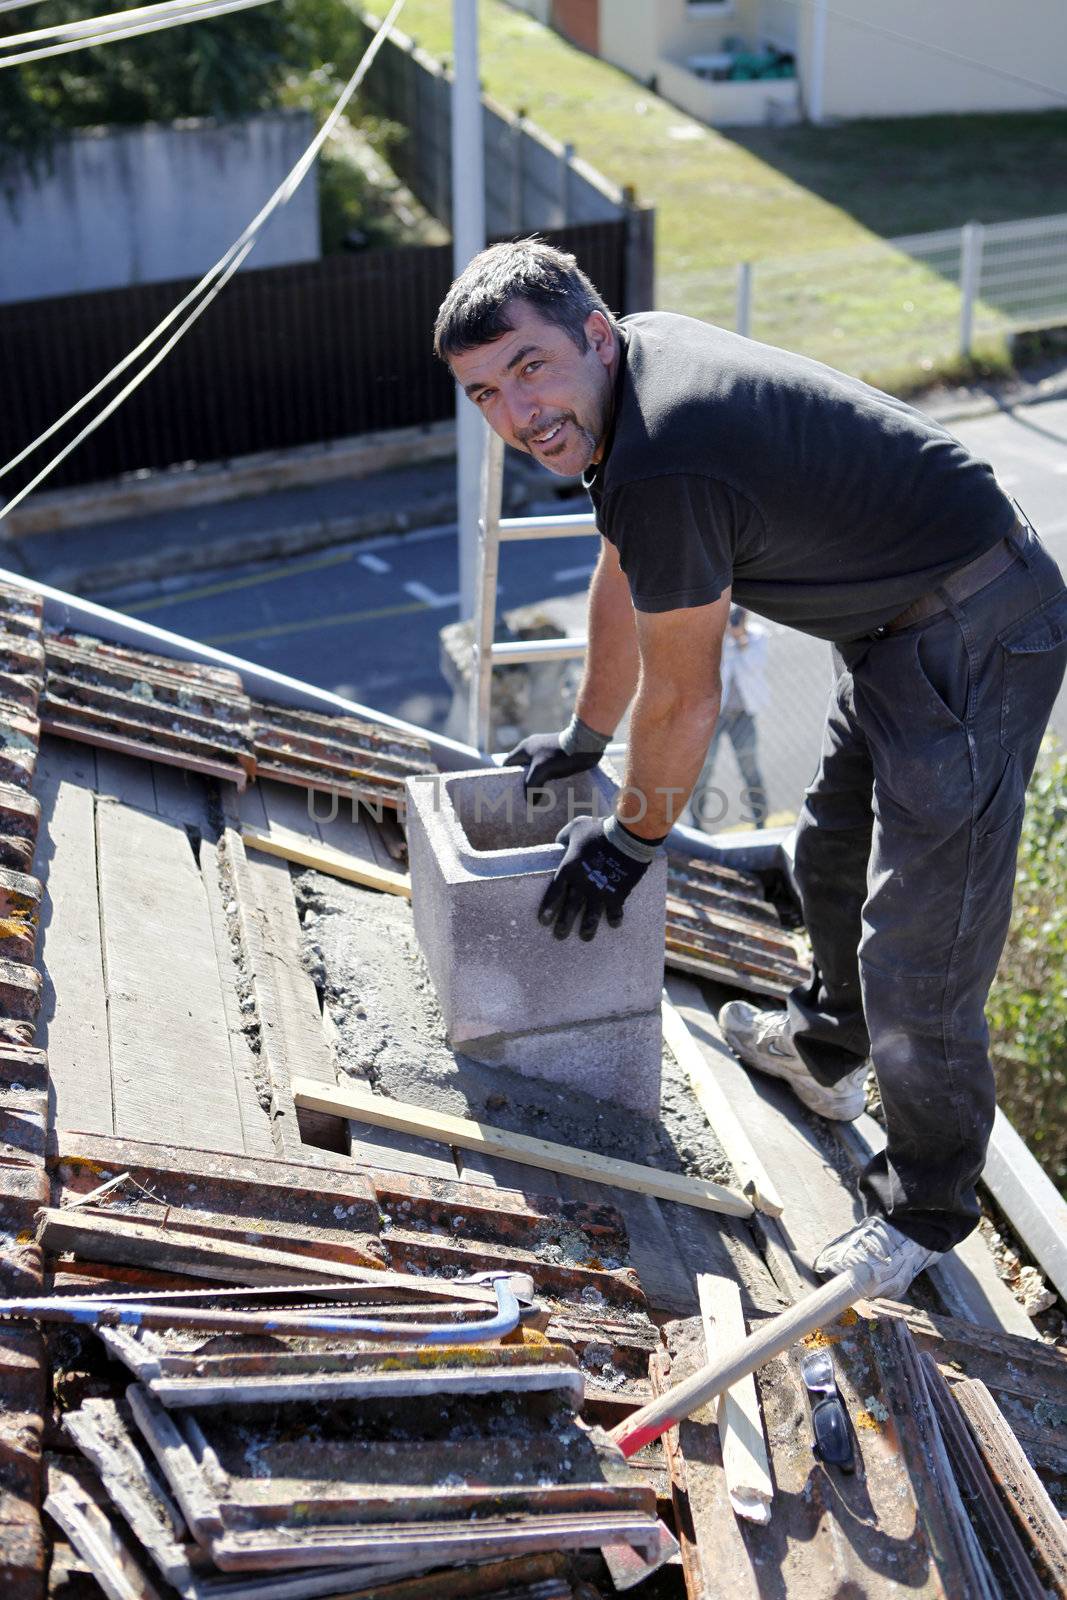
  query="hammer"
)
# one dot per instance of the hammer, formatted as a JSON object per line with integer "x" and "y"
{"x": 822, "y": 1305}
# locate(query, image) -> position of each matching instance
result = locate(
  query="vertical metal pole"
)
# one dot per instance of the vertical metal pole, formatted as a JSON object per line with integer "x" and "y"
{"x": 743, "y": 303}
{"x": 816, "y": 74}
{"x": 563, "y": 201}
{"x": 971, "y": 236}
{"x": 468, "y": 237}
{"x": 481, "y": 689}
{"x": 518, "y": 140}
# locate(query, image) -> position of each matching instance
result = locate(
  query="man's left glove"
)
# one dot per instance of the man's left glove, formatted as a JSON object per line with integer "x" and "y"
{"x": 603, "y": 862}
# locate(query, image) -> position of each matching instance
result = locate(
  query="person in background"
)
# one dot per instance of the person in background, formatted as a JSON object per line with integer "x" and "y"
{"x": 744, "y": 694}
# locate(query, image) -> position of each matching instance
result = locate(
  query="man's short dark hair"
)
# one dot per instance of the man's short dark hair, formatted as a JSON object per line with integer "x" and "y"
{"x": 475, "y": 310}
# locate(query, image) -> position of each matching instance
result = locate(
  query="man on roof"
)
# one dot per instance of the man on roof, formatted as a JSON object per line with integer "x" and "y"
{"x": 725, "y": 472}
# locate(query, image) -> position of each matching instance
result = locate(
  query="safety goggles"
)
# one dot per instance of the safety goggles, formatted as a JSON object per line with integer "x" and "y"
{"x": 829, "y": 1419}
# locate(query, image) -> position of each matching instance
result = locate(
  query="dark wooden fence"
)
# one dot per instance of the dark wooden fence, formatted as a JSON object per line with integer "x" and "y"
{"x": 285, "y": 356}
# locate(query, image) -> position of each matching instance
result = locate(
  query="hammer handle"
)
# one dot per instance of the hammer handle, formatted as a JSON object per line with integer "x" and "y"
{"x": 822, "y": 1305}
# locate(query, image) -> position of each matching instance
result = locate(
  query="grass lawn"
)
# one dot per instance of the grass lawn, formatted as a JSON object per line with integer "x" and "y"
{"x": 763, "y": 194}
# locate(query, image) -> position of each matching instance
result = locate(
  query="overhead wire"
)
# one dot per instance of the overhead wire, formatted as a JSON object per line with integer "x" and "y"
{"x": 111, "y": 19}
{"x": 208, "y": 287}
{"x": 175, "y": 18}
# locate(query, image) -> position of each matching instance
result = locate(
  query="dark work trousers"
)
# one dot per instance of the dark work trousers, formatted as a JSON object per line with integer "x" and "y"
{"x": 905, "y": 860}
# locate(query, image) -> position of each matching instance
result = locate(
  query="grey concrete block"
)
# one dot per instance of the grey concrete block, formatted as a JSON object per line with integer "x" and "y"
{"x": 481, "y": 859}
{"x": 617, "y": 1059}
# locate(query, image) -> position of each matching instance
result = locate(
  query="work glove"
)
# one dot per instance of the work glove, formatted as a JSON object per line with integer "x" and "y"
{"x": 557, "y": 755}
{"x": 603, "y": 862}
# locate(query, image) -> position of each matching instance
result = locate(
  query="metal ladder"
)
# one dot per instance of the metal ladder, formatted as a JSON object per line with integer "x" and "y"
{"x": 493, "y": 529}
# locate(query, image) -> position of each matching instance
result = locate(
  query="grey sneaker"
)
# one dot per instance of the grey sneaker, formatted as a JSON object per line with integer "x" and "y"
{"x": 893, "y": 1259}
{"x": 761, "y": 1039}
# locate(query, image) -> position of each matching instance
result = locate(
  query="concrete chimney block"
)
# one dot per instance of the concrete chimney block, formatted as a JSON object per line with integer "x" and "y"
{"x": 510, "y": 992}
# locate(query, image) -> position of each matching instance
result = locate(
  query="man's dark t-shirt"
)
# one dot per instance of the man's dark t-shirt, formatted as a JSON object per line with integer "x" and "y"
{"x": 826, "y": 504}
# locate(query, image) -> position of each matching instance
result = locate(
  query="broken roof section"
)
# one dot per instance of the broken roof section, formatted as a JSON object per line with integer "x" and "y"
{"x": 179, "y": 981}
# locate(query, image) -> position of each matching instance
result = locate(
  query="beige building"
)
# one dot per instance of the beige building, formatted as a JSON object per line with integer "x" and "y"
{"x": 850, "y": 58}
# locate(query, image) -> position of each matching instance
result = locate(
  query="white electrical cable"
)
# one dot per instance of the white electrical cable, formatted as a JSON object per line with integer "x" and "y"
{"x": 223, "y": 270}
{"x": 219, "y": 8}
{"x": 111, "y": 19}
{"x": 134, "y": 383}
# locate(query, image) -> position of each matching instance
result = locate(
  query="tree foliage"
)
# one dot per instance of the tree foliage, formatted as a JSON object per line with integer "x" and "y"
{"x": 285, "y": 52}
{"x": 1027, "y": 1008}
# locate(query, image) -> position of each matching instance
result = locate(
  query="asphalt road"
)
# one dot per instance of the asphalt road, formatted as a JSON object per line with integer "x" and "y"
{"x": 363, "y": 620}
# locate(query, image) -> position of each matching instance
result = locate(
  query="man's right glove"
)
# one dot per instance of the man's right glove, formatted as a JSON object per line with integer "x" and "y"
{"x": 547, "y": 756}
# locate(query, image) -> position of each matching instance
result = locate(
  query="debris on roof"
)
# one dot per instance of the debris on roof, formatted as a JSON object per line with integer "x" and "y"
{"x": 335, "y": 755}
{"x": 183, "y": 981}
{"x": 721, "y": 926}
{"x": 150, "y": 706}
{"x": 201, "y": 718}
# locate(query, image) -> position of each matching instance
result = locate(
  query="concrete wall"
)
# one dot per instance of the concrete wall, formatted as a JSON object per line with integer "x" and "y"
{"x": 729, "y": 105}
{"x": 629, "y": 36}
{"x": 578, "y": 21}
{"x": 150, "y": 204}
{"x": 779, "y": 24}
{"x": 541, "y": 10}
{"x": 870, "y": 75}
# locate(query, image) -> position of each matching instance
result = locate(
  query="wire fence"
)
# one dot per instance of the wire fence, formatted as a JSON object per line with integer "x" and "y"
{"x": 896, "y": 308}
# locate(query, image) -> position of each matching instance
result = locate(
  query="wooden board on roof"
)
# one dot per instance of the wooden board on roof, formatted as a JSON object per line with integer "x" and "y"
{"x": 170, "y": 1053}
{"x": 72, "y": 1024}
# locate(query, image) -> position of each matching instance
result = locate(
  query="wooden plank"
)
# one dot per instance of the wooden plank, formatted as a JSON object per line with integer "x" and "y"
{"x": 295, "y": 848}
{"x": 434, "y": 1544}
{"x": 474, "y": 1166}
{"x": 664, "y": 1276}
{"x": 170, "y": 1052}
{"x": 246, "y": 806}
{"x": 468, "y": 1135}
{"x": 287, "y": 810}
{"x": 126, "y": 1242}
{"x": 966, "y": 1278}
{"x": 250, "y": 1078}
{"x": 1026, "y": 1498}
{"x": 100, "y": 1430}
{"x": 744, "y": 1448}
{"x": 1029, "y": 1199}
{"x": 96, "y": 1535}
{"x": 181, "y": 796}
{"x": 752, "y": 1176}
{"x": 286, "y": 1003}
{"x": 177, "y": 1462}
{"x": 125, "y": 778}
{"x": 790, "y": 1143}
{"x": 1000, "y": 1543}
{"x": 708, "y": 1534}
{"x": 294, "y": 1019}
{"x": 72, "y": 1025}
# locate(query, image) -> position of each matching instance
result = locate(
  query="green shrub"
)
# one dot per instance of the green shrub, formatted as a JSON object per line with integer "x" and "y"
{"x": 1027, "y": 1008}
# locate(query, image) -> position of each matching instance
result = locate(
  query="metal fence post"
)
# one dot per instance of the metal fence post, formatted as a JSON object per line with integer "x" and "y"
{"x": 971, "y": 236}
{"x": 743, "y": 302}
{"x": 562, "y": 201}
{"x": 640, "y": 259}
{"x": 518, "y": 142}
